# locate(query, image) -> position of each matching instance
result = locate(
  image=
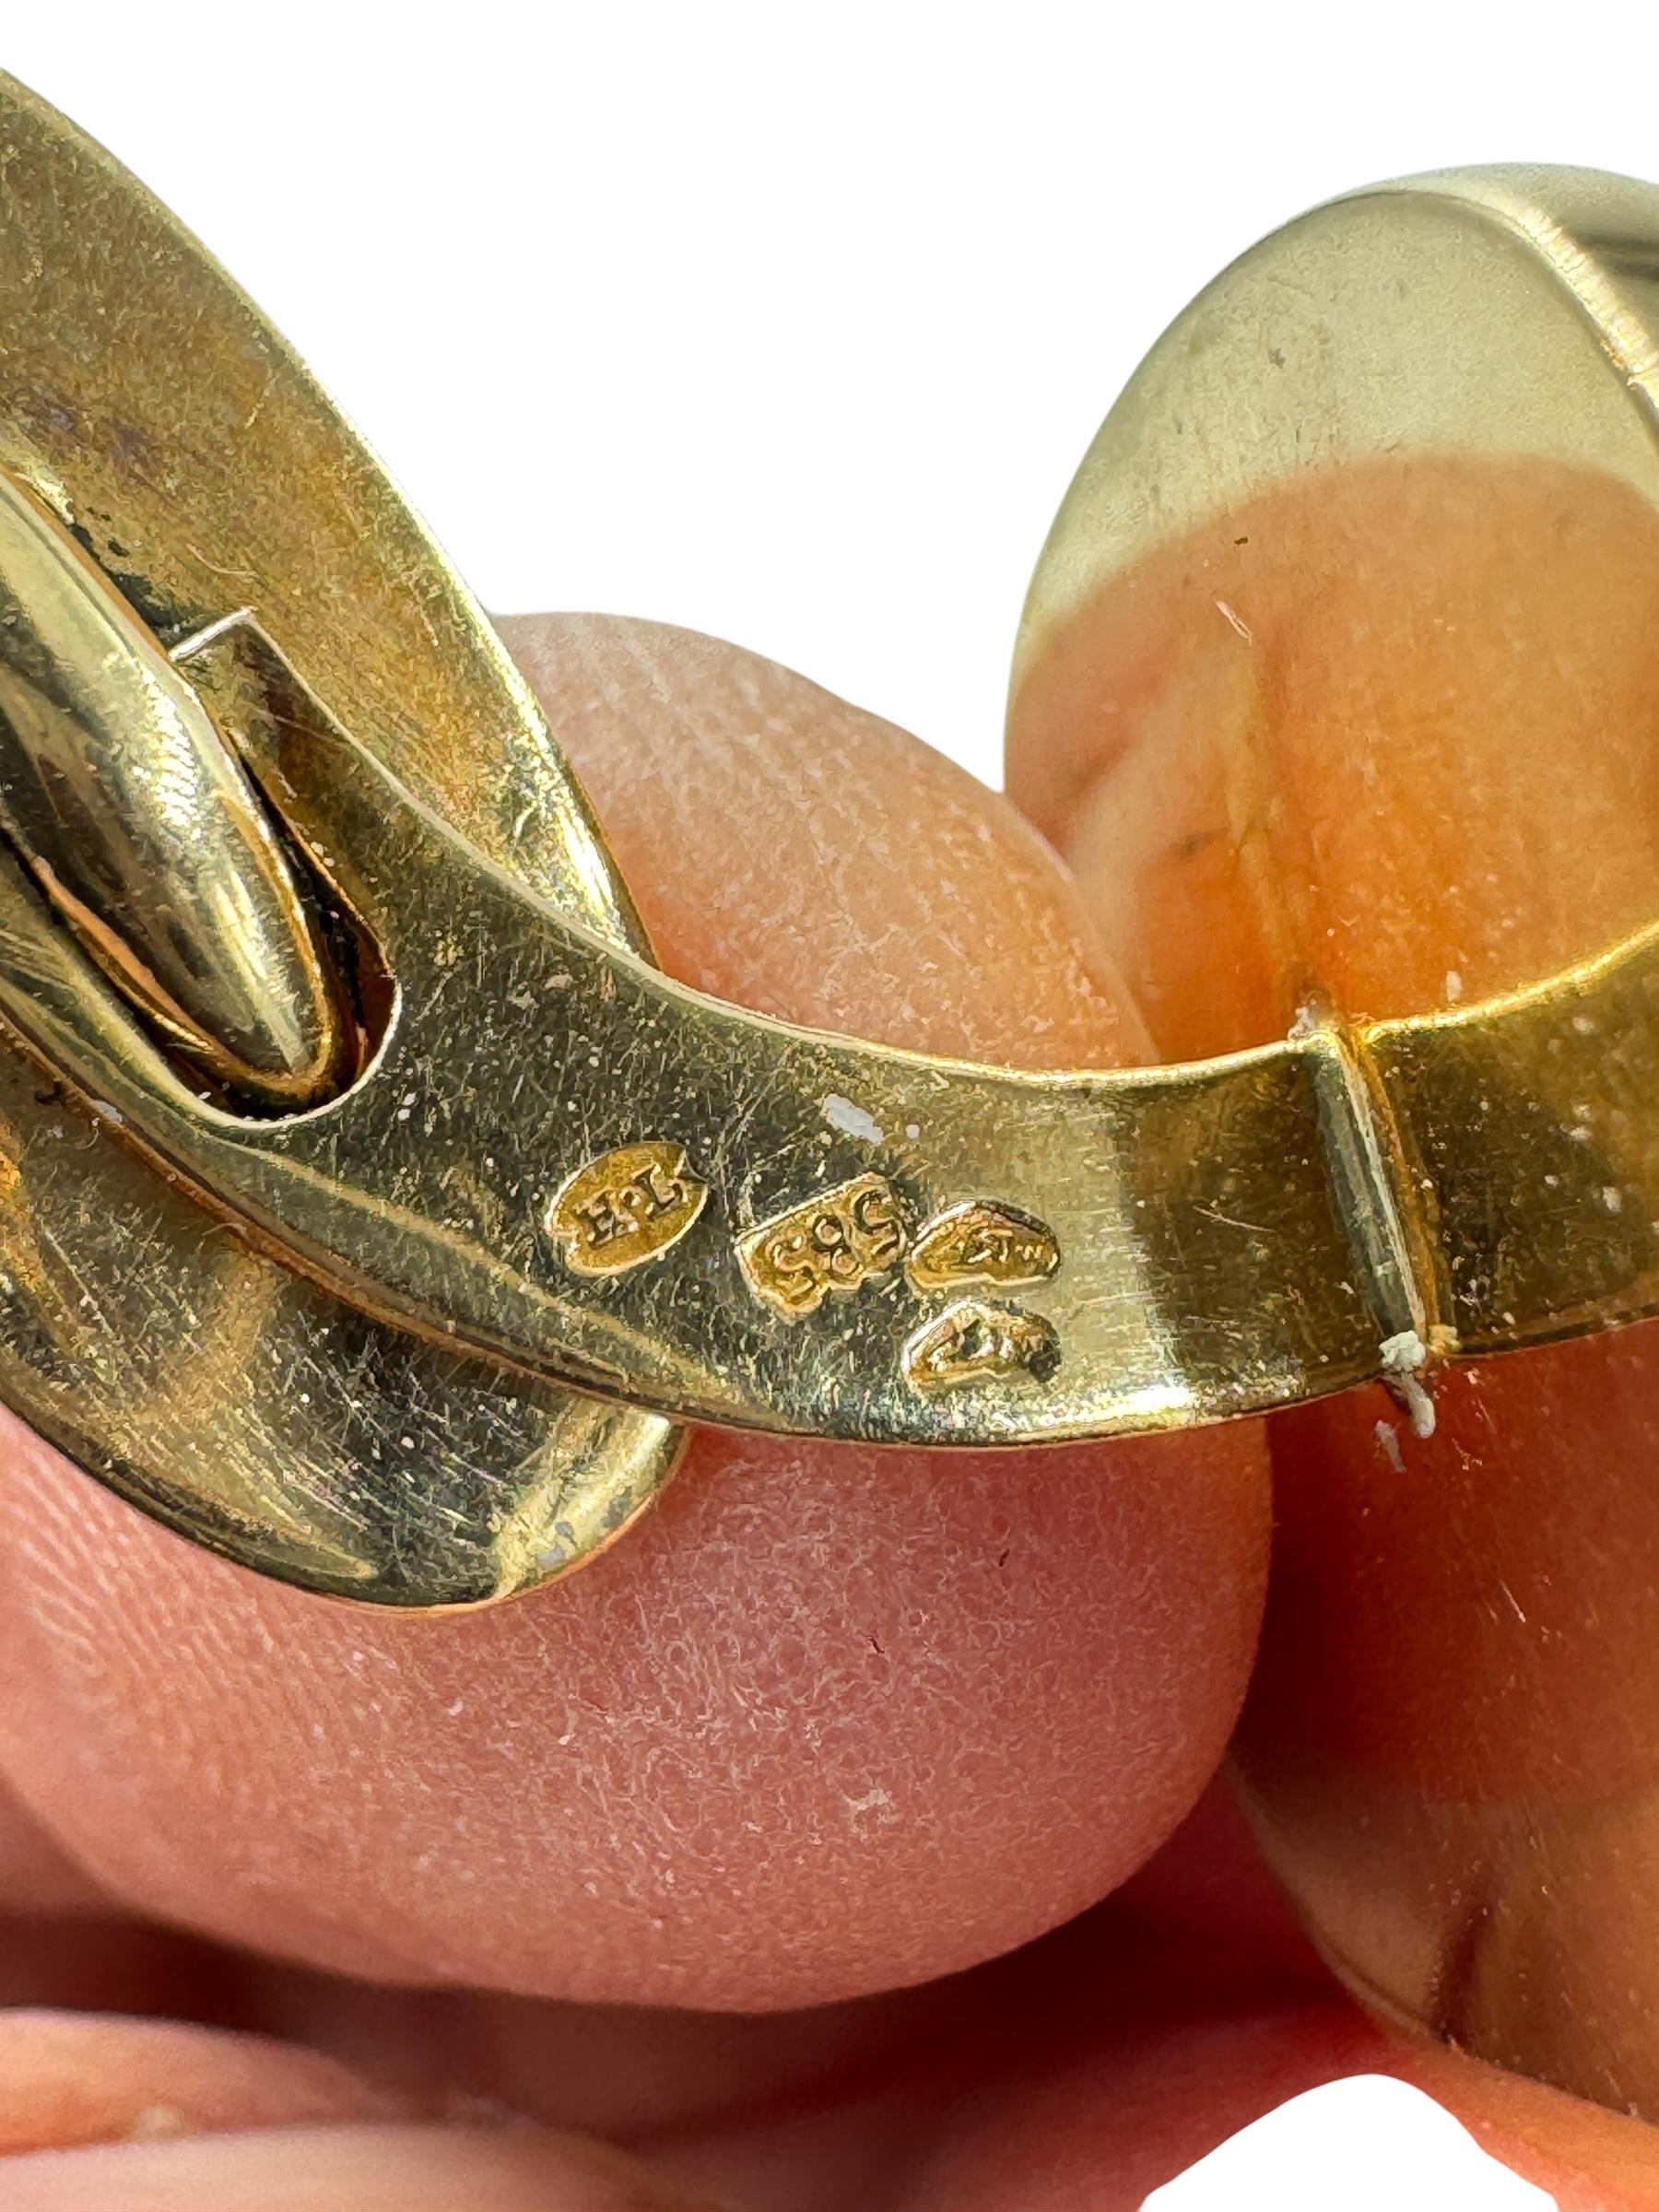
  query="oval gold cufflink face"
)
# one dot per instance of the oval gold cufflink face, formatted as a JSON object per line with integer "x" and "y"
{"x": 375, "y": 1208}
{"x": 1366, "y": 686}
{"x": 198, "y": 471}
{"x": 1376, "y": 390}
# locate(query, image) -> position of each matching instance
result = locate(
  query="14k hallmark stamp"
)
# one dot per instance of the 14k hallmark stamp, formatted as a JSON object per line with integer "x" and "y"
{"x": 973, "y": 1342}
{"x": 981, "y": 1240}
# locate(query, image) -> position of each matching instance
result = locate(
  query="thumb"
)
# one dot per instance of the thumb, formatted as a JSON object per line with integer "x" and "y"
{"x": 831, "y": 1721}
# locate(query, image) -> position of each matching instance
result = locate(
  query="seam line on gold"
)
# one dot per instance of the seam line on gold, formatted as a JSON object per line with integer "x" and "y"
{"x": 1372, "y": 1185}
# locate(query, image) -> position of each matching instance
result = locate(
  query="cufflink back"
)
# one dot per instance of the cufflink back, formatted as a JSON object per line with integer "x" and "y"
{"x": 376, "y": 1212}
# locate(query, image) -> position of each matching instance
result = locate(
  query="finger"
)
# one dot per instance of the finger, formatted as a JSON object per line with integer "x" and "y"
{"x": 318, "y": 2170}
{"x": 813, "y": 862}
{"x": 1383, "y": 727}
{"x": 834, "y": 1719}
{"x": 70, "y": 2078}
{"x": 1143, "y": 2107}
{"x": 1132, "y": 2044}
{"x": 1415, "y": 767}
{"x": 36, "y": 1873}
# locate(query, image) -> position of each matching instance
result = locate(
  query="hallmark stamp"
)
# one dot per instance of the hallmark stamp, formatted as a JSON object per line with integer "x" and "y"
{"x": 973, "y": 1342}
{"x": 838, "y": 1240}
{"x": 982, "y": 1241}
{"x": 624, "y": 1207}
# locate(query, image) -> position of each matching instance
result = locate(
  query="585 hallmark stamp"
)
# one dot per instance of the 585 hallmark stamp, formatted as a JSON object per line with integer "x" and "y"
{"x": 838, "y": 1240}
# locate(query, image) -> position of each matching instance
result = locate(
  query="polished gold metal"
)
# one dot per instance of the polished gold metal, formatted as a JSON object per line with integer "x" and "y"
{"x": 147, "y": 405}
{"x": 145, "y": 835}
{"x": 972, "y": 1344}
{"x": 624, "y": 1207}
{"x": 982, "y": 1243}
{"x": 374, "y": 1207}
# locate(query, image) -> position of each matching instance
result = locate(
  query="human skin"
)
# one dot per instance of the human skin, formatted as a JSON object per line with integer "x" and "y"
{"x": 1415, "y": 767}
{"x": 532, "y": 1904}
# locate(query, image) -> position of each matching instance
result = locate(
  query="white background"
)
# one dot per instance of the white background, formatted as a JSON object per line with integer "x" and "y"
{"x": 791, "y": 323}
{"x": 785, "y": 322}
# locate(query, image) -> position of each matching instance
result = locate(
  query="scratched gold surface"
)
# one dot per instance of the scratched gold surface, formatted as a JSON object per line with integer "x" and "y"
{"x": 144, "y": 400}
{"x": 423, "y": 1340}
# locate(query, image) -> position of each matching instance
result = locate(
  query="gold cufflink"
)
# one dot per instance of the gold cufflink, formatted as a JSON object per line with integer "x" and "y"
{"x": 375, "y": 1212}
